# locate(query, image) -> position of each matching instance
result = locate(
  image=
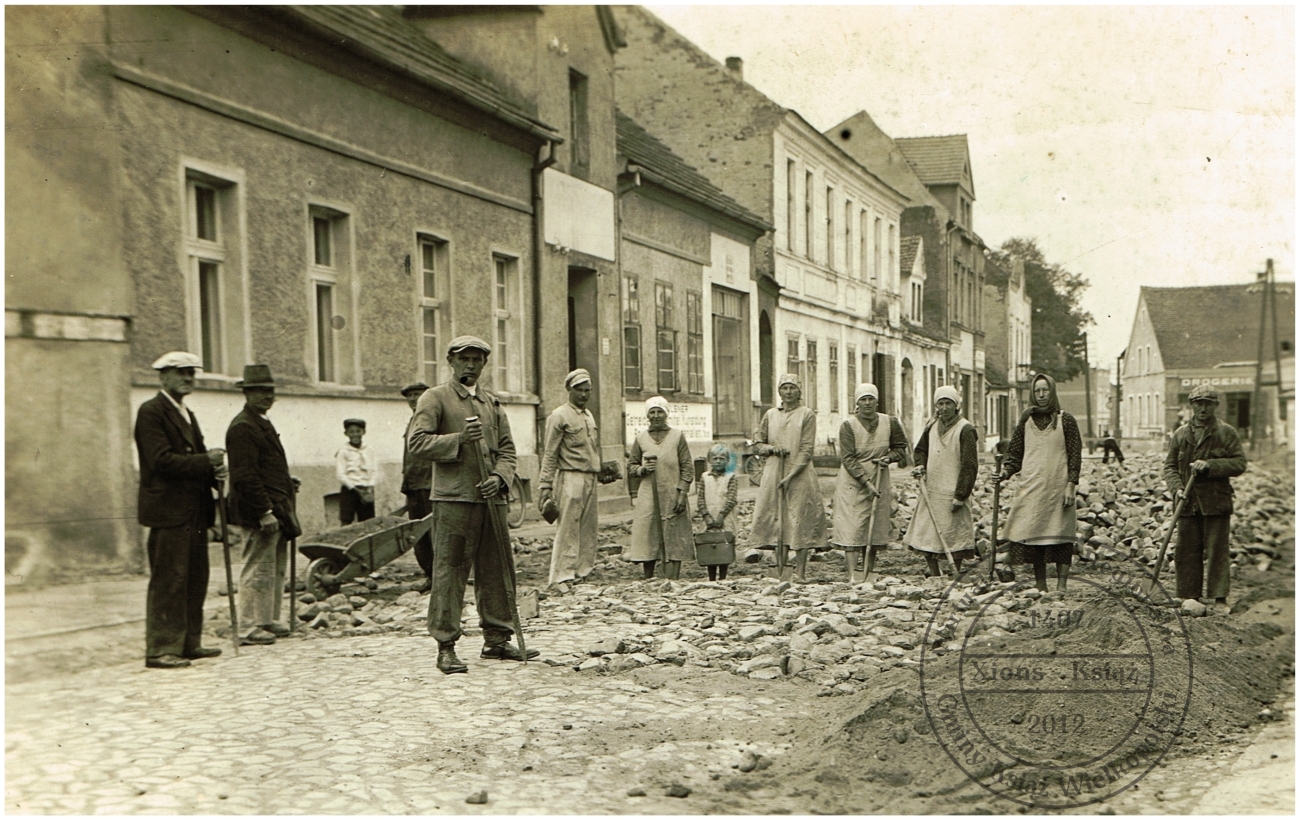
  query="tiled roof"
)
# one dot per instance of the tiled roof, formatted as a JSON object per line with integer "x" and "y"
{"x": 380, "y": 34}
{"x": 1205, "y": 326}
{"x": 907, "y": 254}
{"x": 662, "y": 166}
{"x": 937, "y": 160}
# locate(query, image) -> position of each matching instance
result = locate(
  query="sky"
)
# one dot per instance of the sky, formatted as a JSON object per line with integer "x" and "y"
{"x": 1138, "y": 145}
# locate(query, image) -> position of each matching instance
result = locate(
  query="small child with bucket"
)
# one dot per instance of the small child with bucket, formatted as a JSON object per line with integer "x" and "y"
{"x": 715, "y": 548}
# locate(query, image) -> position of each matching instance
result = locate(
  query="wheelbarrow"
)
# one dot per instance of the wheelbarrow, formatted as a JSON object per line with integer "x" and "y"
{"x": 342, "y": 555}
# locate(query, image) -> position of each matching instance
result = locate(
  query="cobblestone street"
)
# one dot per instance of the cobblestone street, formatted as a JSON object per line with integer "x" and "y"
{"x": 366, "y": 725}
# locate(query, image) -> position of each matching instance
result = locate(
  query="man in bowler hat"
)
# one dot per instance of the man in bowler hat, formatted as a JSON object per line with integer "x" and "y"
{"x": 452, "y": 422}
{"x": 177, "y": 474}
{"x": 417, "y": 478}
{"x": 261, "y": 501}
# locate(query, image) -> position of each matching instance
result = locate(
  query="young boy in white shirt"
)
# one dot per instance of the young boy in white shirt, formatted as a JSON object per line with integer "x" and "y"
{"x": 357, "y": 471}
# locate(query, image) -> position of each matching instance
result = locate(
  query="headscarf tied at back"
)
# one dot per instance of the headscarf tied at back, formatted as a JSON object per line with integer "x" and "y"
{"x": 865, "y": 389}
{"x": 1053, "y": 407}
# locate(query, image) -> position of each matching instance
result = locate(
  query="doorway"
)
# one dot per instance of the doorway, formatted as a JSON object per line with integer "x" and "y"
{"x": 584, "y": 329}
{"x": 730, "y": 362}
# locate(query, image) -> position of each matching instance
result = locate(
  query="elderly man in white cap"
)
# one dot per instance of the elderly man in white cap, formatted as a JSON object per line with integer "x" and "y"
{"x": 789, "y": 511}
{"x": 453, "y": 421}
{"x": 947, "y": 458}
{"x": 660, "y": 471}
{"x": 570, "y": 465}
{"x": 177, "y": 474}
{"x": 870, "y": 441}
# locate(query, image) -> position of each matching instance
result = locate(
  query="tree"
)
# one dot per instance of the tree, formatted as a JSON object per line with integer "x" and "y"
{"x": 1056, "y": 329}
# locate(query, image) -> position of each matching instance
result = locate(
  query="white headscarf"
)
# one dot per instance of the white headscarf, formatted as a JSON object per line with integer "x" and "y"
{"x": 866, "y": 389}
{"x": 948, "y": 392}
{"x": 656, "y": 401}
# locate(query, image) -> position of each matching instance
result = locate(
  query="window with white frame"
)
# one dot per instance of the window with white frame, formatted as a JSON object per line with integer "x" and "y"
{"x": 918, "y": 299}
{"x": 695, "y": 342}
{"x": 848, "y": 238}
{"x": 808, "y": 214}
{"x": 631, "y": 334}
{"x": 508, "y": 351}
{"x": 328, "y": 273}
{"x": 434, "y": 254}
{"x": 793, "y": 364}
{"x": 833, "y": 373}
{"x": 210, "y": 247}
{"x": 665, "y": 338}
{"x": 810, "y": 395}
{"x": 830, "y": 227}
{"x": 875, "y": 245}
{"x": 791, "y": 216}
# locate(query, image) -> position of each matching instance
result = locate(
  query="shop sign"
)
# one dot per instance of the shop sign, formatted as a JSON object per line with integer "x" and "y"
{"x": 692, "y": 418}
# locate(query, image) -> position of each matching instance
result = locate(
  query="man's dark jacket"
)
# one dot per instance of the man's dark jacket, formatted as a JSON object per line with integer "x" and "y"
{"x": 1221, "y": 448}
{"x": 176, "y": 477}
{"x": 259, "y": 473}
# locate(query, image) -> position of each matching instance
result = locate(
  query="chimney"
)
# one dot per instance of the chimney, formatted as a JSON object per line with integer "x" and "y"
{"x": 737, "y": 67}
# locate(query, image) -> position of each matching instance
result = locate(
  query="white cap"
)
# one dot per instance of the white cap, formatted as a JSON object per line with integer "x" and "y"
{"x": 178, "y": 358}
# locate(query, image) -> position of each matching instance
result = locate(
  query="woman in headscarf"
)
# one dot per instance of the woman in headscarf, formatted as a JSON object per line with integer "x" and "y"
{"x": 786, "y": 437}
{"x": 947, "y": 458}
{"x": 1047, "y": 451}
{"x": 660, "y": 471}
{"x": 869, "y": 442}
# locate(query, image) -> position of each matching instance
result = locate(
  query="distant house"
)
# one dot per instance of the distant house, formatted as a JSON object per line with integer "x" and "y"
{"x": 1183, "y": 337}
{"x": 1008, "y": 312}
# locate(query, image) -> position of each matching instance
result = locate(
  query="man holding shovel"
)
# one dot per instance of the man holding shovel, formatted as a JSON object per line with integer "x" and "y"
{"x": 454, "y": 424}
{"x": 1212, "y": 450}
{"x": 788, "y": 511}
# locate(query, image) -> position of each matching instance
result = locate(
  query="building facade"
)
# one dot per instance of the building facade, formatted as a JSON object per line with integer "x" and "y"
{"x": 689, "y": 295}
{"x": 322, "y": 189}
{"x": 833, "y": 260}
{"x": 1008, "y": 311}
{"x": 1183, "y": 337}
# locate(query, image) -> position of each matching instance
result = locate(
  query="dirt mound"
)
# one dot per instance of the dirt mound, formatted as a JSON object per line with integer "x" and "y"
{"x": 878, "y": 752}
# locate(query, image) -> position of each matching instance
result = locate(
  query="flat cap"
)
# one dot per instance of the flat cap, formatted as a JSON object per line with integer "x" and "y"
{"x": 577, "y": 377}
{"x": 178, "y": 358}
{"x": 414, "y": 387}
{"x": 1203, "y": 392}
{"x": 468, "y": 343}
{"x": 354, "y": 423}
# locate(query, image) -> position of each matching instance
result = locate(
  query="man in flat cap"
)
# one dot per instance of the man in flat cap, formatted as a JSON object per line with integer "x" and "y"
{"x": 570, "y": 465}
{"x": 261, "y": 501}
{"x": 357, "y": 469}
{"x": 177, "y": 474}
{"x": 417, "y": 478}
{"x": 452, "y": 423}
{"x": 1212, "y": 450}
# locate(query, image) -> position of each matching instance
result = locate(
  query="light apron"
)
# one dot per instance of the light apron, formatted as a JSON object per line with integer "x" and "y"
{"x": 1038, "y": 517}
{"x": 852, "y": 508}
{"x": 942, "y": 467}
{"x": 657, "y": 534}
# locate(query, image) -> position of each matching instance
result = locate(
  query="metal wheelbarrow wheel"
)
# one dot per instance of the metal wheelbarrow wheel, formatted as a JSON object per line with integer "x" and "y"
{"x": 317, "y": 571}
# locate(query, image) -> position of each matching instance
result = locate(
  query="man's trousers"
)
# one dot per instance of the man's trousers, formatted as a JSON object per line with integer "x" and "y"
{"x": 178, "y": 583}
{"x": 464, "y": 538}
{"x": 261, "y": 581}
{"x": 417, "y": 507}
{"x": 1202, "y": 540}
{"x": 574, "y": 552}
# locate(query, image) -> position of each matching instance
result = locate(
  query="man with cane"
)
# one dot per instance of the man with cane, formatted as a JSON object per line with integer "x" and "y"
{"x": 455, "y": 423}
{"x": 177, "y": 475}
{"x": 1211, "y": 451}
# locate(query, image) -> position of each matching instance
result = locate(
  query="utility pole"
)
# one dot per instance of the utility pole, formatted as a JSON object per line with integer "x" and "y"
{"x": 1119, "y": 395}
{"x": 1257, "y": 419}
{"x": 1087, "y": 383}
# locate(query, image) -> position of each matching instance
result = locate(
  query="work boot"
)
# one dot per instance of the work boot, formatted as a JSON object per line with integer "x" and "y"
{"x": 506, "y": 652}
{"x": 448, "y": 663}
{"x": 166, "y": 662}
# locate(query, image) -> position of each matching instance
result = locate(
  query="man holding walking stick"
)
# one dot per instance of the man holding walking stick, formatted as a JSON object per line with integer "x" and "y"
{"x": 454, "y": 423}
{"x": 177, "y": 475}
{"x": 1212, "y": 451}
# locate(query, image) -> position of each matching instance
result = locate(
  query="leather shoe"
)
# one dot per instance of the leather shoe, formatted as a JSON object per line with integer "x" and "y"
{"x": 506, "y": 652}
{"x": 166, "y": 662}
{"x": 278, "y": 630}
{"x": 258, "y": 637}
{"x": 448, "y": 663}
{"x": 203, "y": 652}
